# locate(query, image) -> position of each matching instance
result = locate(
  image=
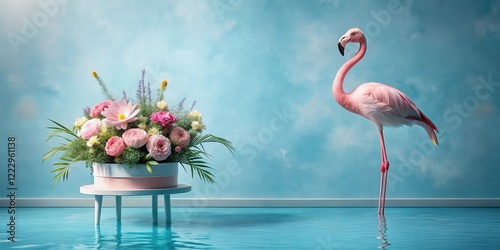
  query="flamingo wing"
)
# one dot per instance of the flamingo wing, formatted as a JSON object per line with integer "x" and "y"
{"x": 387, "y": 106}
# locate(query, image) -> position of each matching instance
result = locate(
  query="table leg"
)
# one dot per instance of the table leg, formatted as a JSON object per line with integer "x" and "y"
{"x": 154, "y": 199}
{"x": 168, "y": 211}
{"x": 118, "y": 208}
{"x": 98, "y": 207}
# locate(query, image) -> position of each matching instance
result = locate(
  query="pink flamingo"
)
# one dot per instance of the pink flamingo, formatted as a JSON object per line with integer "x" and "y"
{"x": 379, "y": 103}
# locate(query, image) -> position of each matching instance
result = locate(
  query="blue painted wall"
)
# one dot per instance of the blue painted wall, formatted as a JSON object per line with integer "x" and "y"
{"x": 261, "y": 74}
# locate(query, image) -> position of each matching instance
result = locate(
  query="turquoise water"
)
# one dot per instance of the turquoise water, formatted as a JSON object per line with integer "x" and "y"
{"x": 258, "y": 228}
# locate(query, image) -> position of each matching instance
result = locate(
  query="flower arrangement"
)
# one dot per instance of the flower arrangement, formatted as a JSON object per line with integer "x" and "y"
{"x": 145, "y": 132}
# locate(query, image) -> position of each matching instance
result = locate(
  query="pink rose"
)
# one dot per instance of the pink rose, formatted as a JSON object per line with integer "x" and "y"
{"x": 180, "y": 137}
{"x": 159, "y": 147}
{"x": 98, "y": 108}
{"x": 115, "y": 146}
{"x": 90, "y": 128}
{"x": 178, "y": 149}
{"x": 135, "y": 137}
{"x": 163, "y": 118}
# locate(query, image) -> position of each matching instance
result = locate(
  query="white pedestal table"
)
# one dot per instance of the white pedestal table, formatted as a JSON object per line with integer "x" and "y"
{"x": 118, "y": 193}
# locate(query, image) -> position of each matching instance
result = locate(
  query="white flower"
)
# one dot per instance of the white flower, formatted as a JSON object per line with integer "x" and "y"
{"x": 195, "y": 114}
{"x": 197, "y": 125}
{"x": 92, "y": 140}
{"x": 80, "y": 121}
{"x": 162, "y": 105}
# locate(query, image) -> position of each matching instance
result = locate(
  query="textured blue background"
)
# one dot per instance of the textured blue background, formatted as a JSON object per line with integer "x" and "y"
{"x": 261, "y": 74}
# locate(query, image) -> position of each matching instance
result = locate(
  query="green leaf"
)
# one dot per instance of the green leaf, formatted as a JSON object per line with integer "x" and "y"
{"x": 61, "y": 164}
{"x": 152, "y": 162}
{"x": 148, "y": 167}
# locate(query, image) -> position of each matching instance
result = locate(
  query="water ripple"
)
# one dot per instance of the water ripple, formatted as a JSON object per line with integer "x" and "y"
{"x": 260, "y": 228}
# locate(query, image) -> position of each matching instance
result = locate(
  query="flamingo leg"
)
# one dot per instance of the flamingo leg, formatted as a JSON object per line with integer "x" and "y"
{"x": 382, "y": 174}
{"x": 384, "y": 170}
{"x": 385, "y": 184}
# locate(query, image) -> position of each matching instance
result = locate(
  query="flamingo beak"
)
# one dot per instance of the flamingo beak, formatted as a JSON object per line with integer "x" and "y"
{"x": 341, "y": 49}
{"x": 342, "y": 42}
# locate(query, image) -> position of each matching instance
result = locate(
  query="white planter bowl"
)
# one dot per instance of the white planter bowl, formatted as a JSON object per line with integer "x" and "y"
{"x": 120, "y": 176}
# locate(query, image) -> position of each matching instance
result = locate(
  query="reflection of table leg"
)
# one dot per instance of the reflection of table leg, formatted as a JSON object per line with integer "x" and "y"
{"x": 155, "y": 209}
{"x": 168, "y": 212}
{"x": 98, "y": 206}
{"x": 118, "y": 208}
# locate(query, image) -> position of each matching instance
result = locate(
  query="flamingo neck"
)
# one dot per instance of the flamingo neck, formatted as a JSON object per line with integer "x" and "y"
{"x": 338, "y": 82}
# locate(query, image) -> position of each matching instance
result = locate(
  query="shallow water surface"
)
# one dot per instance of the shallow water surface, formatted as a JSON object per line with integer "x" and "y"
{"x": 258, "y": 228}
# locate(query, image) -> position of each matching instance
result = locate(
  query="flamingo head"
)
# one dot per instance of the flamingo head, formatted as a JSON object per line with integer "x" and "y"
{"x": 354, "y": 35}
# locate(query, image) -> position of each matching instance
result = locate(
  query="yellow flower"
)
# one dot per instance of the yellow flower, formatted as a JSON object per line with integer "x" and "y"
{"x": 94, "y": 74}
{"x": 80, "y": 121}
{"x": 104, "y": 128}
{"x": 153, "y": 131}
{"x": 142, "y": 126}
{"x": 92, "y": 140}
{"x": 163, "y": 85}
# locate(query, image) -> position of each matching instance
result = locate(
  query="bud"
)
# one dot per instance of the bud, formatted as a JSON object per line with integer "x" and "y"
{"x": 94, "y": 74}
{"x": 164, "y": 84}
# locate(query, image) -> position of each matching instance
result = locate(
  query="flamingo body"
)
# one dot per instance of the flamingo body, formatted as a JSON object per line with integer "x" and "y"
{"x": 387, "y": 106}
{"x": 382, "y": 104}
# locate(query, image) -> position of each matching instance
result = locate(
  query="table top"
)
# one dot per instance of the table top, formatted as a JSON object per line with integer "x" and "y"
{"x": 181, "y": 188}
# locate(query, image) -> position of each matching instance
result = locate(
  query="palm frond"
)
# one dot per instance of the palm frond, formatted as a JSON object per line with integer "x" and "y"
{"x": 199, "y": 140}
{"x": 52, "y": 152}
{"x": 59, "y": 130}
{"x": 61, "y": 173}
{"x": 196, "y": 156}
{"x": 196, "y": 164}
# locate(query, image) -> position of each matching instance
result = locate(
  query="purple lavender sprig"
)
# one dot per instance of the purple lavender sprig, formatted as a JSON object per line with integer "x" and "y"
{"x": 149, "y": 93}
{"x": 141, "y": 89}
{"x": 86, "y": 111}
{"x": 181, "y": 104}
